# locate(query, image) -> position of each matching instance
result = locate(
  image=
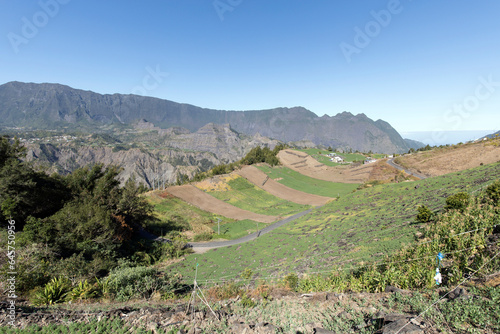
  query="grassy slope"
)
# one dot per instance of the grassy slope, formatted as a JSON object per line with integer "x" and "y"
{"x": 361, "y": 226}
{"x": 320, "y": 156}
{"x": 295, "y": 180}
{"x": 174, "y": 212}
{"x": 247, "y": 196}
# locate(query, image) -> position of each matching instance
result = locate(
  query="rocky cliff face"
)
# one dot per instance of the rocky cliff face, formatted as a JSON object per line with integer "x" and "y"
{"x": 183, "y": 152}
{"x": 50, "y": 106}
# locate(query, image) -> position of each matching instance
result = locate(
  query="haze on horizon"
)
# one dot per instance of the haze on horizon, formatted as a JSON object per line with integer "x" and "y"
{"x": 421, "y": 66}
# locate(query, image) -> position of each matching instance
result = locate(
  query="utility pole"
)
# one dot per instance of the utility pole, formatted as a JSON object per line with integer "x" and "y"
{"x": 218, "y": 226}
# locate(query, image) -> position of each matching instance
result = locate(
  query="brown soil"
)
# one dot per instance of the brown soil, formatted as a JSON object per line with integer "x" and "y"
{"x": 452, "y": 159}
{"x": 198, "y": 198}
{"x": 261, "y": 180}
{"x": 307, "y": 165}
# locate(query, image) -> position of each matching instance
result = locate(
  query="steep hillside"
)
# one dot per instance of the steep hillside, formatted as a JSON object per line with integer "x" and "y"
{"x": 155, "y": 154}
{"x": 444, "y": 160}
{"x": 51, "y": 106}
{"x": 366, "y": 225}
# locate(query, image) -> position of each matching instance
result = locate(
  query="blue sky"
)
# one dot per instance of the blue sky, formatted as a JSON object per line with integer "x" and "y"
{"x": 419, "y": 65}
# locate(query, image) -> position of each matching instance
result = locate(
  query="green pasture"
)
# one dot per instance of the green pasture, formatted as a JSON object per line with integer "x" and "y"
{"x": 247, "y": 196}
{"x": 360, "y": 227}
{"x": 176, "y": 215}
{"x": 297, "y": 181}
{"x": 236, "y": 229}
{"x": 320, "y": 156}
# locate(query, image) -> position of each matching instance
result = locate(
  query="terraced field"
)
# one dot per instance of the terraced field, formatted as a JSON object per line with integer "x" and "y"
{"x": 319, "y": 155}
{"x": 295, "y": 180}
{"x": 366, "y": 225}
{"x": 244, "y": 195}
{"x": 176, "y": 215}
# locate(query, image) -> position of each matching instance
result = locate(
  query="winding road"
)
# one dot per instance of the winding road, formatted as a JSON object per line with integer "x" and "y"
{"x": 395, "y": 165}
{"x": 255, "y": 235}
{"x": 200, "y": 247}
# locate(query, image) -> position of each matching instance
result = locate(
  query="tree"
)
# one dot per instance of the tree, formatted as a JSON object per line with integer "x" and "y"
{"x": 23, "y": 191}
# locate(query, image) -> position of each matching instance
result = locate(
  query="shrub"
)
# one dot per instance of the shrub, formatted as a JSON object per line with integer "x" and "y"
{"x": 247, "y": 302}
{"x": 54, "y": 292}
{"x": 206, "y": 236}
{"x": 493, "y": 192}
{"x": 291, "y": 281}
{"x": 458, "y": 202}
{"x": 139, "y": 282}
{"x": 225, "y": 291}
{"x": 424, "y": 214}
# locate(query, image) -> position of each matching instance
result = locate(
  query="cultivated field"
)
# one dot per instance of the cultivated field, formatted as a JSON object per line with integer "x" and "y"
{"x": 237, "y": 191}
{"x": 204, "y": 201}
{"x": 307, "y": 184}
{"x": 263, "y": 181}
{"x": 366, "y": 225}
{"x": 305, "y": 164}
{"x": 175, "y": 214}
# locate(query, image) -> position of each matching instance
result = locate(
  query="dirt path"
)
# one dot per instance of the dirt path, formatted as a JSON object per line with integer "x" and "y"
{"x": 261, "y": 180}
{"x": 307, "y": 165}
{"x": 204, "y": 201}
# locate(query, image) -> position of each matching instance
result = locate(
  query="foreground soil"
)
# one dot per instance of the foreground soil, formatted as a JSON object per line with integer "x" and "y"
{"x": 282, "y": 311}
{"x": 266, "y": 310}
{"x": 456, "y": 158}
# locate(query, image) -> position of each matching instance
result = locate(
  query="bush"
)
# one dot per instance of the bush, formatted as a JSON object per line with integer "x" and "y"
{"x": 139, "y": 282}
{"x": 291, "y": 281}
{"x": 424, "y": 214}
{"x": 226, "y": 291}
{"x": 206, "y": 236}
{"x": 493, "y": 192}
{"x": 458, "y": 202}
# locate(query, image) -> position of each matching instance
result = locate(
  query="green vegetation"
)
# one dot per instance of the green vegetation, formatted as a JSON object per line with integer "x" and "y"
{"x": 458, "y": 202}
{"x": 128, "y": 283}
{"x": 249, "y": 197}
{"x": 424, "y": 215}
{"x": 175, "y": 215}
{"x": 295, "y": 180}
{"x": 237, "y": 229}
{"x": 367, "y": 225}
{"x": 73, "y": 228}
{"x": 348, "y": 157}
{"x": 256, "y": 155}
{"x": 98, "y": 326}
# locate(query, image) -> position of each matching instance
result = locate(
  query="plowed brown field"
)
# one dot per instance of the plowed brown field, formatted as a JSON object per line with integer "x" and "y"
{"x": 261, "y": 180}
{"x": 307, "y": 165}
{"x": 197, "y": 197}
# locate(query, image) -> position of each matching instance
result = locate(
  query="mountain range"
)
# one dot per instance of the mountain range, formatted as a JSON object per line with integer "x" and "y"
{"x": 31, "y": 106}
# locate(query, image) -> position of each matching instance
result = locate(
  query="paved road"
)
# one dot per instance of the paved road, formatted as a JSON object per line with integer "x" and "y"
{"x": 267, "y": 229}
{"x": 395, "y": 165}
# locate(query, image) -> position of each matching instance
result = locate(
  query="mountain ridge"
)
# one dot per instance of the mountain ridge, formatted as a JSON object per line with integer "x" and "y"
{"x": 49, "y": 106}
